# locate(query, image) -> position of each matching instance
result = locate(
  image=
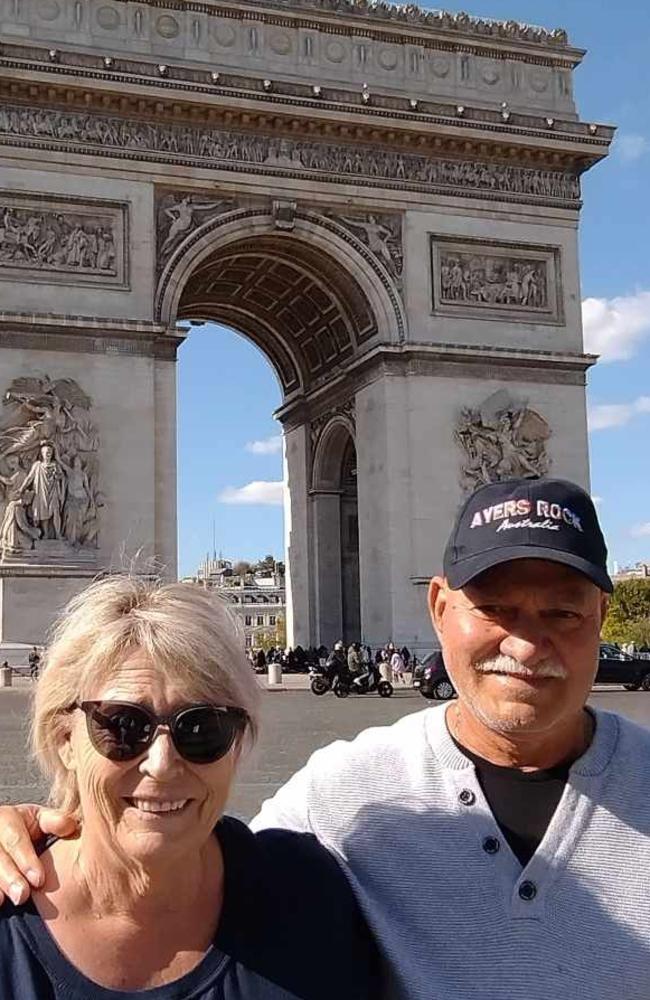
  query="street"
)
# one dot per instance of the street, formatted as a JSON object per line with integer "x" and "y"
{"x": 295, "y": 723}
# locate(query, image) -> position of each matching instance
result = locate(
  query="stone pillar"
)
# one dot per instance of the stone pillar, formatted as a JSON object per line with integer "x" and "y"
{"x": 299, "y": 587}
{"x": 164, "y": 392}
{"x": 384, "y": 477}
{"x": 328, "y": 599}
{"x": 409, "y": 471}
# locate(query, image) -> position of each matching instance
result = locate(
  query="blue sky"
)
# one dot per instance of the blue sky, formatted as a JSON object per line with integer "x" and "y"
{"x": 228, "y": 391}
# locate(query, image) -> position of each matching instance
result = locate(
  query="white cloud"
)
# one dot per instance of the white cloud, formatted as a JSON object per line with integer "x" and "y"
{"x": 614, "y": 328}
{"x": 631, "y": 147}
{"x": 641, "y": 530}
{"x": 270, "y": 494}
{"x": 269, "y": 446}
{"x": 605, "y": 415}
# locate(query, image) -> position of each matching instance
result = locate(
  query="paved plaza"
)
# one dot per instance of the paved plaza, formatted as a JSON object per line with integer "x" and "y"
{"x": 295, "y": 723}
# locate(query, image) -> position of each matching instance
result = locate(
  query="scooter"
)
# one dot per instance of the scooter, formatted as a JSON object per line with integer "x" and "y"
{"x": 367, "y": 683}
{"x": 320, "y": 682}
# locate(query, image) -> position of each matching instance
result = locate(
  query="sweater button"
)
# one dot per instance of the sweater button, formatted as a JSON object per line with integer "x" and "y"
{"x": 467, "y": 797}
{"x": 527, "y": 891}
{"x": 491, "y": 845}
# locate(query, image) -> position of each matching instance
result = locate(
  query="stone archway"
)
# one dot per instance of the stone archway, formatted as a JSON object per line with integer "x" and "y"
{"x": 309, "y": 295}
{"x": 334, "y": 518}
{"x": 401, "y": 243}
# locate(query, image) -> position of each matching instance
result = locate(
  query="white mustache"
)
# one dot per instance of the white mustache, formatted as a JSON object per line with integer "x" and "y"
{"x": 508, "y": 665}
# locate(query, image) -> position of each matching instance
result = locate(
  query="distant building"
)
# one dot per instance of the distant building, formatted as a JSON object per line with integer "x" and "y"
{"x": 258, "y": 598}
{"x": 640, "y": 571}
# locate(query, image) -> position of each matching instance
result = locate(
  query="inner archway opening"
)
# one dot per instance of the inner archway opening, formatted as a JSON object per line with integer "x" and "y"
{"x": 311, "y": 316}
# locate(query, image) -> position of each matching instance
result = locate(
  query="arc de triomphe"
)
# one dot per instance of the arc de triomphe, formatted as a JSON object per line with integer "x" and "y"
{"x": 385, "y": 200}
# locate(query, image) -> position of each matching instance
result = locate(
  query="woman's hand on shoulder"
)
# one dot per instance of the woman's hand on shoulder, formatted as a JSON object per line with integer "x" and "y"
{"x": 21, "y": 826}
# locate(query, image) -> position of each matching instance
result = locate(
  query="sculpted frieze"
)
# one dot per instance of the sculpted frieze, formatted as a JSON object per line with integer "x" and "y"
{"x": 179, "y": 213}
{"x": 382, "y": 234}
{"x": 62, "y": 239}
{"x": 483, "y": 278}
{"x": 230, "y": 150}
{"x": 48, "y": 473}
{"x": 502, "y": 439}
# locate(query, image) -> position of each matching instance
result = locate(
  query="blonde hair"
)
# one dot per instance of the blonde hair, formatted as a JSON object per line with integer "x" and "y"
{"x": 189, "y": 635}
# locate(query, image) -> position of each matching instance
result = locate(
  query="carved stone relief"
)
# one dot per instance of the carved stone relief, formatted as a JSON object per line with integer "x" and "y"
{"x": 483, "y": 278}
{"x": 48, "y": 473}
{"x": 245, "y": 152}
{"x": 318, "y": 424}
{"x": 63, "y": 239}
{"x": 502, "y": 439}
{"x": 382, "y": 234}
{"x": 178, "y": 214}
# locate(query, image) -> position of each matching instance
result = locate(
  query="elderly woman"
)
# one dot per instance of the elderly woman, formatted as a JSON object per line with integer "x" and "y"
{"x": 142, "y": 712}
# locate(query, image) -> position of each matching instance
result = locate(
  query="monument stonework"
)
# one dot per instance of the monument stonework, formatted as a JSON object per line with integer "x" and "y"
{"x": 384, "y": 199}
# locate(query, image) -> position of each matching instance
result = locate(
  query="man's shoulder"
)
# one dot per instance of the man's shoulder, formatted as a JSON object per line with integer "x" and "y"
{"x": 380, "y": 763}
{"x": 404, "y": 738}
{"x": 632, "y": 739}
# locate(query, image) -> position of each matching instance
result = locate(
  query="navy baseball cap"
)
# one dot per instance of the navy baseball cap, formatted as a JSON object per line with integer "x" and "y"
{"x": 549, "y": 519}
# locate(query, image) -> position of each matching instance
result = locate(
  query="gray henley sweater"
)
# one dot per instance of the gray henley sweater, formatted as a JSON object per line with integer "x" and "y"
{"x": 402, "y": 809}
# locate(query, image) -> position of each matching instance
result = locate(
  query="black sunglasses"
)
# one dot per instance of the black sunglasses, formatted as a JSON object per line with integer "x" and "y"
{"x": 202, "y": 734}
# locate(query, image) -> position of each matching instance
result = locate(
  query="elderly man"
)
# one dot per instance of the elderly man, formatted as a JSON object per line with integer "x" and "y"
{"x": 500, "y": 844}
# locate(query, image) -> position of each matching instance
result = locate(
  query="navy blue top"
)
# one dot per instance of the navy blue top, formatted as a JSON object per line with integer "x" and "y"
{"x": 290, "y": 929}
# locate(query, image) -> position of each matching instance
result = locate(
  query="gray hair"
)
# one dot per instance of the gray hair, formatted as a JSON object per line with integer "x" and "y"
{"x": 190, "y": 635}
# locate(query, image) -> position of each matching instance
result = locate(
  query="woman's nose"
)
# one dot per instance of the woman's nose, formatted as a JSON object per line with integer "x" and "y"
{"x": 162, "y": 756}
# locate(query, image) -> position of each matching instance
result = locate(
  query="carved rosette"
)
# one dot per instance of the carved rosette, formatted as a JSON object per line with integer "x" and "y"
{"x": 502, "y": 439}
{"x": 49, "y": 470}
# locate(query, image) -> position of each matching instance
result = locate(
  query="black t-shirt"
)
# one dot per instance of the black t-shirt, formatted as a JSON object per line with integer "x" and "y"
{"x": 522, "y": 802}
{"x": 290, "y": 929}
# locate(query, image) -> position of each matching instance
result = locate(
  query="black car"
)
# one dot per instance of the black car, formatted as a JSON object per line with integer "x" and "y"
{"x": 617, "y": 667}
{"x": 431, "y": 678}
{"x": 614, "y": 667}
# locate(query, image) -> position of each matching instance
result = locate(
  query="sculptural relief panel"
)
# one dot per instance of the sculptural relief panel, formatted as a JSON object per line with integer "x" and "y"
{"x": 241, "y": 150}
{"x": 484, "y": 279}
{"x": 63, "y": 240}
{"x": 501, "y": 439}
{"x": 382, "y": 234}
{"x": 49, "y": 470}
{"x": 178, "y": 213}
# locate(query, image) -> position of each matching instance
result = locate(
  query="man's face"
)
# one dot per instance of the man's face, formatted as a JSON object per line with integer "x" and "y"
{"x": 520, "y": 643}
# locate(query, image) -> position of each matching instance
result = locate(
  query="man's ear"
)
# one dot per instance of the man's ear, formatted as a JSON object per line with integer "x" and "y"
{"x": 437, "y": 602}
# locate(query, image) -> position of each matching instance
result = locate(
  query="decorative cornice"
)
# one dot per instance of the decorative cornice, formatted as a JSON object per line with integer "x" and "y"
{"x": 187, "y": 82}
{"x": 441, "y": 361}
{"x": 88, "y": 335}
{"x": 460, "y": 26}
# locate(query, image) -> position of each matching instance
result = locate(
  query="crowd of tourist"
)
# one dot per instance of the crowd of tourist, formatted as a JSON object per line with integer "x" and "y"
{"x": 356, "y": 658}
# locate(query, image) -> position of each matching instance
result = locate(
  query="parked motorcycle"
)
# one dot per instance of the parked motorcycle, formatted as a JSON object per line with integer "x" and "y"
{"x": 320, "y": 683}
{"x": 365, "y": 684}
{"x": 344, "y": 684}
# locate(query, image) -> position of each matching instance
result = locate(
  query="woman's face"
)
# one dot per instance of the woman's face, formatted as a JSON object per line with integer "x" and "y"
{"x": 123, "y": 801}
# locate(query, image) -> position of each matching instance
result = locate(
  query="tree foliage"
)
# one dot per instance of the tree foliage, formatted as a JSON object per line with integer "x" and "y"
{"x": 628, "y": 619}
